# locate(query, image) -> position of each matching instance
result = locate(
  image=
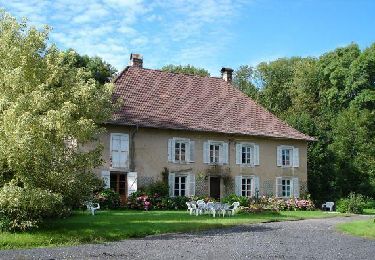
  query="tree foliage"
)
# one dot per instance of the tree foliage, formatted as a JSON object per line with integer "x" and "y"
{"x": 48, "y": 111}
{"x": 186, "y": 69}
{"x": 100, "y": 70}
{"x": 332, "y": 98}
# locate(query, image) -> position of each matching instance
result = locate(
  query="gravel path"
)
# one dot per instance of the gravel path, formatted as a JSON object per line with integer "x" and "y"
{"x": 306, "y": 239}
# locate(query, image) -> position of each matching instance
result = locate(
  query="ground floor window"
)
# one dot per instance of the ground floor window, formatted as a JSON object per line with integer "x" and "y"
{"x": 180, "y": 185}
{"x": 286, "y": 188}
{"x": 118, "y": 182}
{"x": 246, "y": 186}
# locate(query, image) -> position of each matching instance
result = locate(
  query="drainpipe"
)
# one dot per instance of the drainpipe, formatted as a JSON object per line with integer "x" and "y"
{"x": 132, "y": 149}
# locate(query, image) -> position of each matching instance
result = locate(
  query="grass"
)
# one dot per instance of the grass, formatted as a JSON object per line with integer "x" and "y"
{"x": 121, "y": 224}
{"x": 363, "y": 228}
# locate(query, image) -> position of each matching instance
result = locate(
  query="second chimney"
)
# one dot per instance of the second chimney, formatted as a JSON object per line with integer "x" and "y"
{"x": 136, "y": 60}
{"x": 226, "y": 74}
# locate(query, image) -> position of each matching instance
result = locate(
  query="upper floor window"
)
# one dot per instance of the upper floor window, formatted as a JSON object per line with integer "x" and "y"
{"x": 215, "y": 152}
{"x": 180, "y": 150}
{"x": 247, "y": 154}
{"x": 287, "y": 156}
{"x": 119, "y": 150}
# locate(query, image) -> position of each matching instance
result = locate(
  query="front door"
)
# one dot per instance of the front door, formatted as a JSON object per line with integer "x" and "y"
{"x": 118, "y": 184}
{"x": 215, "y": 187}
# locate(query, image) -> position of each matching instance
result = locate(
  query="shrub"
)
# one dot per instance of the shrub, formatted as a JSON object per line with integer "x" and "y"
{"x": 25, "y": 208}
{"x": 158, "y": 189}
{"x": 354, "y": 203}
{"x": 108, "y": 199}
{"x": 244, "y": 201}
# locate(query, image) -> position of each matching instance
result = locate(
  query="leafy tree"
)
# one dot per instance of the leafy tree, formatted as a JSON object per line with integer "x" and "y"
{"x": 244, "y": 80}
{"x": 48, "y": 111}
{"x": 331, "y": 97}
{"x": 187, "y": 69}
{"x": 100, "y": 70}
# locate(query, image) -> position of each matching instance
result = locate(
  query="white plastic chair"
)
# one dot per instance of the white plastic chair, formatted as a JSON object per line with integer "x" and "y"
{"x": 92, "y": 207}
{"x": 210, "y": 208}
{"x": 233, "y": 208}
{"x": 201, "y": 207}
{"x": 328, "y": 205}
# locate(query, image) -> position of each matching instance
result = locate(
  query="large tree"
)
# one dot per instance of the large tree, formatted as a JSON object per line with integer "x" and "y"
{"x": 332, "y": 98}
{"x": 48, "y": 112}
{"x": 186, "y": 69}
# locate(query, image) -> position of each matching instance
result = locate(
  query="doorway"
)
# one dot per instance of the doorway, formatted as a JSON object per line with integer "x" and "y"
{"x": 118, "y": 184}
{"x": 215, "y": 187}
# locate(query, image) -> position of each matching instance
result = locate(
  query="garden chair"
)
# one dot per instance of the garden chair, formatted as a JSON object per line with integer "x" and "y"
{"x": 201, "y": 207}
{"x": 210, "y": 208}
{"x": 92, "y": 207}
{"x": 328, "y": 205}
{"x": 233, "y": 208}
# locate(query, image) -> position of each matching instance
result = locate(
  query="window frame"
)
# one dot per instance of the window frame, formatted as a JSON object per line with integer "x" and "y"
{"x": 215, "y": 152}
{"x": 291, "y": 155}
{"x": 179, "y": 189}
{"x": 286, "y": 185}
{"x": 251, "y": 146}
{"x": 250, "y": 184}
{"x": 181, "y": 141}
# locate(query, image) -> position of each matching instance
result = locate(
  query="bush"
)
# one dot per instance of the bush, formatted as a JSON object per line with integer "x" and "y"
{"x": 25, "y": 208}
{"x": 354, "y": 203}
{"x": 108, "y": 199}
{"x": 158, "y": 189}
{"x": 244, "y": 201}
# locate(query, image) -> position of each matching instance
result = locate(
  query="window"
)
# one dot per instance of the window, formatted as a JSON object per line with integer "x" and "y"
{"x": 180, "y": 186}
{"x": 286, "y": 188}
{"x": 119, "y": 150}
{"x": 246, "y": 154}
{"x": 214, "y": 153}
{"x": 180, "y": 151}
{"x": 286, "y": 156}
{"x": 246, "y": 186}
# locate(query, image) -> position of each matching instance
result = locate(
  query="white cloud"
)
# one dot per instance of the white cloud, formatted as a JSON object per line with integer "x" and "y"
{"x": 169, "y": 31}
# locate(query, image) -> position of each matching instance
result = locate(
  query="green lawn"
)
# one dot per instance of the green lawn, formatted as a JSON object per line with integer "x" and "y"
{"x": 365, "y": 228}
{"x": 115, "y": 225}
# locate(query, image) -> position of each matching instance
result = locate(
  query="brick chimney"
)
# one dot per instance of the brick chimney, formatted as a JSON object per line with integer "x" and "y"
{"x": 136, "y": 60}
{"x": 226, "y": 74}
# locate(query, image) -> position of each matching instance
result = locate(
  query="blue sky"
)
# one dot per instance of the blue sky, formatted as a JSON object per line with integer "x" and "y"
{"x": 204, "y": 33}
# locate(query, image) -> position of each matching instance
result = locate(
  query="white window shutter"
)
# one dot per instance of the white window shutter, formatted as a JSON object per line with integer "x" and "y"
{"x": 295, "y": 187}
{"x": 124, "y": 150}
{"x": 132, "y": 180}
{"x": 256, "y": 154}
{"x": 295, "y": 157}
{"x": 115, "y": 150}
{"x": 238, "y": 185}
{"x": 171, "y": 177}
{"x": 224, "y": 154}
{"x": 279, "y": 187}
{"x": 171, "y": 150}
{"x": 279, "y": 151}
{"x": 191, "y": 184}
{"x": 256, "y": 185}
{"x": 206, "y": 151}
{"x": 238, "y": 153}
{"x": 106, "y": 176}
{"x": 191, "y": 151}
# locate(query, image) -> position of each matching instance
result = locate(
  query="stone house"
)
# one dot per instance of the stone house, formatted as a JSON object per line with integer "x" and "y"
{"x": 205, "y": 134}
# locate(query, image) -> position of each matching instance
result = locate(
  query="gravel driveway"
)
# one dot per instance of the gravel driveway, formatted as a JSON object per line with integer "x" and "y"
{"x": 306, "y": 239}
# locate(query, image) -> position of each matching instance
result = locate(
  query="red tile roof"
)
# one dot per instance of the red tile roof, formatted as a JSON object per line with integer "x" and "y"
{"x": 158, "y": 99}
